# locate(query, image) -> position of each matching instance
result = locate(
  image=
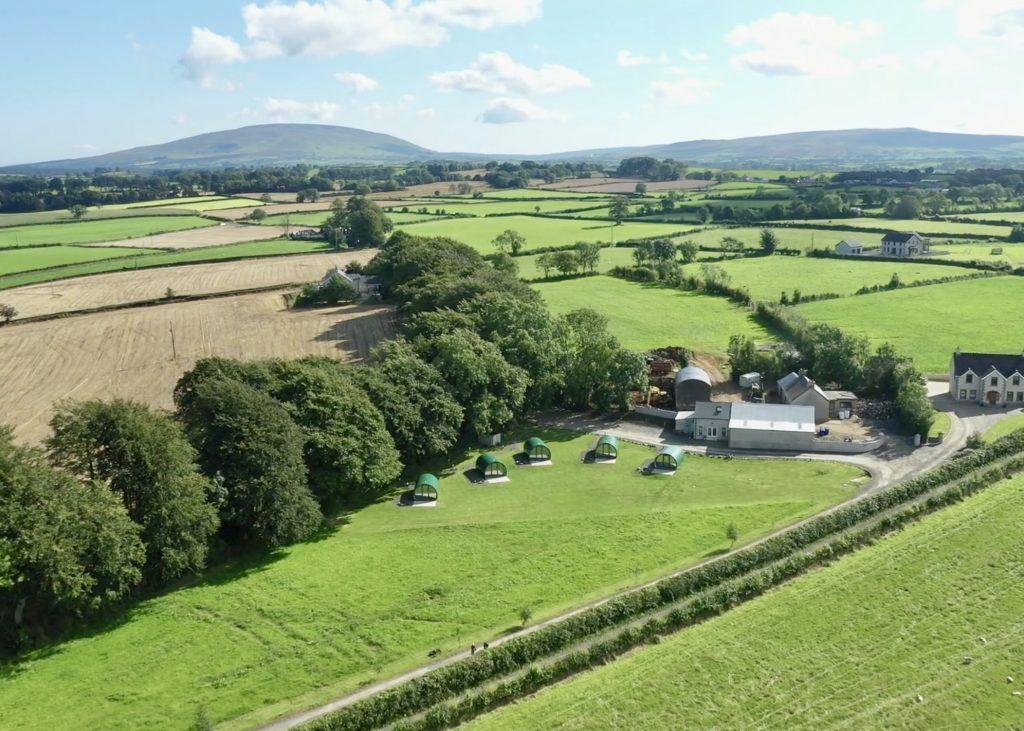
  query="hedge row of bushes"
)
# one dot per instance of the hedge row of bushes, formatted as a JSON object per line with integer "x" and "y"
{"x": 867, "y": 229}
{"x": 449, "y": 681}
{"x": 708, "y": 604}
{"x": 866, "y": 289}
{"x": 995, "y": 266}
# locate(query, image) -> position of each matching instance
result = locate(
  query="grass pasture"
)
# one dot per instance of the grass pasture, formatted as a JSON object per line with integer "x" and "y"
{"x": 932, "y": 611}
{"x": 767, "y": 277}
{"x": 1013, "y": 254}
{"x": 1004, "y": 427}
{"x": 539, "y": 231}
{"x": 646, "y": 316}
{"x": 929, "y": 323}
{"x": 376, "y": 594}
{"x": 789, "y": 238}
{"x": 94, "y": 214}
{"x": 15, "y": 261}
{"x": 85, "y": 232}
{"x": 925, "y": 228}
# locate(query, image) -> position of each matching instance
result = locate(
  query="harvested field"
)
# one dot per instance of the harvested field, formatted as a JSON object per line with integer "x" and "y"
{"x": 129, "y": 353}
{"x": 622, "y": 185}
{"x": 226, "y": 233}
{"x": 116, "y": 288}
{"x": 277, "y": 209}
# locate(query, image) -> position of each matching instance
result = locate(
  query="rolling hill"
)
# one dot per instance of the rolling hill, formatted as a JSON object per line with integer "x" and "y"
{"x": 287, "y": 144}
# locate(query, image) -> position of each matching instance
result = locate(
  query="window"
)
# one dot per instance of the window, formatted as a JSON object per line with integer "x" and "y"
{"x": 974, "y": 394}
{"x": 1016, "y": 380}
{"x": 969, "y": 378}
{"x": 700, "y": 430}
{"x": 963, "y": 393}
{"x": 712, "y": 431}
{"x": 994, "y": 381}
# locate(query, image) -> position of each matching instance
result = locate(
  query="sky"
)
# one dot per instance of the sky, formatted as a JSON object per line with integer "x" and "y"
{"x": 509, "y": 76}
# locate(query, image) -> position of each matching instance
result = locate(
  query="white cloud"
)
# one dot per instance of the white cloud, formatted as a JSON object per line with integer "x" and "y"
{"x": 85, "y": 147}
{"x": 180, "y": 119}
{"x": 985, "y": 18}
{"x": 507, "y": 110}
{"x": 498, "y": 73}
{"x": 283, "y": 109}
{"x": 207, "y": 51}
{"x": 686, "y": 91}
{"x": 694, "y": 56}
{"x": 425, "y": 114}
{"x": 628, "y": 58}
{"x": 889, "y": 62}
{"x": 359, "y": 82}
{"x": 800, "y": 44}
{"x": 327, "y": 28}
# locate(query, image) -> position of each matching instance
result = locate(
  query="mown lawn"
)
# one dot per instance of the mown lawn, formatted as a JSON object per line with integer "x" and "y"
{"x": 934, "y": 611}
{"x": 390, "y": 584}
{"x": 144, "y": 258}
{"x": 1004, "y": 427}
{"x": 768, "y": 277}
{"x": 929, "y": 323}
{"x": 648, "y": 316}
{"x": 539, "y": 231}
{"x": 85, "y": 231}
{"x": 13, "y": 261}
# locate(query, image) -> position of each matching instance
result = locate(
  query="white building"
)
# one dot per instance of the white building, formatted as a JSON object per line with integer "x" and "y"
{"x": 904, "y": 244}
{"x": 799, "y": 390}
{"x": 987, "y": 378}
{"x": 850, "y": 247}
{"x": 772, "y": 426}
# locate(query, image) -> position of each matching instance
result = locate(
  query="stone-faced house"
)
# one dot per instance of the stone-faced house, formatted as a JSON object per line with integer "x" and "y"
{"x": 987, "y": 378}
{"x": 904, "y": 244}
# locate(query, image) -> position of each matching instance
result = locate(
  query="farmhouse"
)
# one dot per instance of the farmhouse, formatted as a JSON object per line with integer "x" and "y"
{"x": 693, "y": 384}
{"x": 362, "y": 283}
{"x": 850, "y": 247}
{"x": 987, "y": 378}
{"x": 710, "y": 420}
{"x": 798, "y": 389}
{"x": 904, "y": 244}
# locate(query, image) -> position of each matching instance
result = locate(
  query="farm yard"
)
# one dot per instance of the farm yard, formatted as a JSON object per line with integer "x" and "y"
{"x": 83, "y": 232}
{"x": 929, "y": 323}
{"x": 403, "y": 581}
{"x": 118, "y": 288}
{"x": 140, "y": 353}
{"x": 922, "y": 629}
{"x": 647, "y": 316}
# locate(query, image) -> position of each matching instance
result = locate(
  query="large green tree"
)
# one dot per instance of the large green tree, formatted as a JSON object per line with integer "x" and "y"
{"x": 360, "y": 223}
{"x": 601, "y": 373}
{"x": 250, "y": 444}
{"x": 67, "y": 548}
{"x": 145, "y": 459}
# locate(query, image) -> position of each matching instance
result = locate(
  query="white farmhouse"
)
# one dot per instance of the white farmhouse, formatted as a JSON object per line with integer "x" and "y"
{"x": 904, "y": 244}
{"x": 850, "y": 247}
{"x": 987, "y": 378}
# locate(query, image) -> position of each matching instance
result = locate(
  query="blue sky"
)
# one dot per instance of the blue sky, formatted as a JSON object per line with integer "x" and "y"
{"x": 516, "y": 76}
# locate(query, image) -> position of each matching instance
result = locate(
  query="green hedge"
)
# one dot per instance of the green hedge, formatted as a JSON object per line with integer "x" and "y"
{"x": 788, "y": 548}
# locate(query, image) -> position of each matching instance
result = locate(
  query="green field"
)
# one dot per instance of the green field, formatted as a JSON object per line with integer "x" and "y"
{"x": 182, "y": 201}
{"x": 223, "y": 204}
{"x": 1004, "y": 427}
{"x": 1013, "y": 254}
{"x": 390, "y": 584}
{"x": 789, "y": 238}
{"x": 767, "y": 277}
{"x": 929, "y": 323}
{"x": 531, "y": 193}
{"x": 1016, "y": 216}
{"x": 539, "y": 231}
{"x": 487, "y": 208}
{"x": 131, "y": 258}
{"x": 13, "y": 261}
{"x": 646, "y": 316}
{"x": 923, "y": 227}
{"x": 933, "y": 611}
{"x": 94, "y": 214}
{"x": 84, "y": 232}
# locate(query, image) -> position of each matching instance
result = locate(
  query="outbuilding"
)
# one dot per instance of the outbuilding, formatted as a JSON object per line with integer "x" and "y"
{"x": 426, "y": 487}
{"x": 798, "y": 389}
{"x": 536, "y": 449}
{"x": 607, "y": 448}
{"x": 693, "y": 384}
{"x": 771, "y": 426}
{"x": 669, "y": 458}
{"x": 849, "y": 247}
{"x": 710, "y": 421}
{"x": 490, "y": 466}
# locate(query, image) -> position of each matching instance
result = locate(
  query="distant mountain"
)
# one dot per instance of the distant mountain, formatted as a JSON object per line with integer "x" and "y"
{"x": 262, "y": 144}
{"x": 842, "y": 148}
{"x": 287, "y": 144}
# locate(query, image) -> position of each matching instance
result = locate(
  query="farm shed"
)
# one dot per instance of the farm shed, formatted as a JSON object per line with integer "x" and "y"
{"x": 841, "y": 404}
{"x": 490, "y": 466}
{"x": 850, "y": 247}
{"x": 771, "y": 426}
{"x": 607, "y": 447}
{"x": 426, "y": 487}
{"x": 693, "y": 384}
{"x": 669, "y": 458}
{"x": 535, "y": 448}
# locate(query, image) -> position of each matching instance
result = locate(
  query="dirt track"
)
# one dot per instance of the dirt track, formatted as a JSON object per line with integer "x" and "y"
{"x": 116, "y": 288}
{"x": 226, "y": 233}
{"x": 133, "y": 354}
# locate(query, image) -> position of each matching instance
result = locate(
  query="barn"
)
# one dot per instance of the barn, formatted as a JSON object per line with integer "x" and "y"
{"x": 771, "y": 426}
{"x": 693, "y": 384}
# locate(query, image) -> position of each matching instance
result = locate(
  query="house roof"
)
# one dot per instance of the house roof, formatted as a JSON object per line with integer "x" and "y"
{"x": 840, "y": 395}
{"x": 901, "y": 236}
{"x": 795, "y": 385}
{"x": 693, "y": 373}
{"x": 850, "y": 242}
{"x": 712, "y": 410}
{"x": 982, "y": 363}
{"x": 772, "y": 417}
